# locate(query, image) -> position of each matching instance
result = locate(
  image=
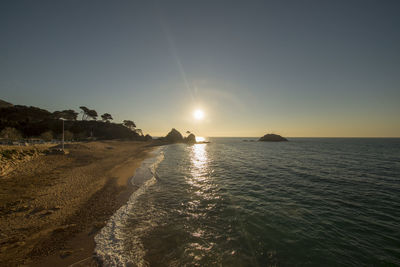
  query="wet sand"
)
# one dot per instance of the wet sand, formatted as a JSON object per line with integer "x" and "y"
{"x": 52, "y": 206}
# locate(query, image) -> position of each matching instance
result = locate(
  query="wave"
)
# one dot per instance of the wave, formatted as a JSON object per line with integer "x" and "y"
{"x": 109, "y": 241}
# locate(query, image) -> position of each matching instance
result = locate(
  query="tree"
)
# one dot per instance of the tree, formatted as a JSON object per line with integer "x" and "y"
{"x": 68, "y": 114}
{"x": 85, "y": 112}
{"x": 88, "y": 113}
{"x": 68, "y": 135}
{"x": 47, "y": 136}
{"x": 106, "y": 117}
{"x": 57, "y": 114}
{"x": 92, "y": 114}
{"x": 129, "y": 124}
{"x": 139, "y": 131}
{"x": 10, "y": 133}
{"x": 23, "y": 114}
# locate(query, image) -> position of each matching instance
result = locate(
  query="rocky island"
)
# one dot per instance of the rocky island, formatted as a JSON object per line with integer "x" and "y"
{"x": 174, "y": 136}
{"x": 272, "y": 138}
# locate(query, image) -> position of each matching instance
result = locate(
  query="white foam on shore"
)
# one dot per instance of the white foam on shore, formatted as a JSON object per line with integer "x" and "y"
{"x": 110, "y": 240}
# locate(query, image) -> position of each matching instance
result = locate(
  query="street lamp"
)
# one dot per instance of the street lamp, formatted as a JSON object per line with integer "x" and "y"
{"x": 62, "y": 134}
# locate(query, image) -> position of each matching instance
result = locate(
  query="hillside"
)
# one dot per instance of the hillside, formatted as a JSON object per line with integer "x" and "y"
{"x": 33, "y": 122}
{"x": 4, "y": 104}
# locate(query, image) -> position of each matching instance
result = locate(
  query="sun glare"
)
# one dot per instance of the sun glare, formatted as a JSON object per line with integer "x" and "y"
{"x": 200, "y": 139}
{"x": 198, "y": 114}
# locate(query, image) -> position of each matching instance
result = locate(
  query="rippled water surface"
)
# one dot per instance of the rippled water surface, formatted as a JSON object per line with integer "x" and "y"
{"x": 307, "y": 202}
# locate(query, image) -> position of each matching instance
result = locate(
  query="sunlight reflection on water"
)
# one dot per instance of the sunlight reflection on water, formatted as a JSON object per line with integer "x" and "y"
{"x": 200, "y": 178}
{"x": 199, "y": 161}
{"x": 235, "y": 203}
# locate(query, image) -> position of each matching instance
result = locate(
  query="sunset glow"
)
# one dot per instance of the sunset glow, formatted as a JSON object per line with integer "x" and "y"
{"x": 198, "y": 114}
{"x": 199, "y": 133}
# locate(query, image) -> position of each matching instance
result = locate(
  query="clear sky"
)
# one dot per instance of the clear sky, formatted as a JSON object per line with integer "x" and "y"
{"x": 297, "y": 68}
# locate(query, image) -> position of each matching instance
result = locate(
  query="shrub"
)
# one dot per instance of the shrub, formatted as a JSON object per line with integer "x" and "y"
{"x": 47, "y": 136}
{"x": 68, "y": 135}
{"x": 8, "y": 153}
{"x": 10, "y": 133}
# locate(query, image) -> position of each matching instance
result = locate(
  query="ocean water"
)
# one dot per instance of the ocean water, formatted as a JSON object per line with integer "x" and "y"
{"x": 307, "y": 202}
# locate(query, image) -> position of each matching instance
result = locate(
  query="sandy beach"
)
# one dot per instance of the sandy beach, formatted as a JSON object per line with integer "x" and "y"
{"x": 52, "y": 206}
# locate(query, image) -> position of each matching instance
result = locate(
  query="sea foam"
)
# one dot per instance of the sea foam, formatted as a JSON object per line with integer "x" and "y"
{"x": 110, "y": 240}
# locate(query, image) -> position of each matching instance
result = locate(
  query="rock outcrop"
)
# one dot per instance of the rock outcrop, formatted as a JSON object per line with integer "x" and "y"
{"x": 272, "y": 138}
{"x": 174, "y": 136}
{"x": 148, "y": 137}
{"x": 191, "y": 139}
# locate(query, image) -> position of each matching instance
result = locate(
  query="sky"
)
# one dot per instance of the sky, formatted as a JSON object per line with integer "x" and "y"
{"x": 296, "y": 68}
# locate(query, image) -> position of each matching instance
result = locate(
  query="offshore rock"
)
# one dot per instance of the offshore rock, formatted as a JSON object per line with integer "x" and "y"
{"x": 174, "y": 136}
{"x": 191, "y": 139}
{"x": 272, "y": 138}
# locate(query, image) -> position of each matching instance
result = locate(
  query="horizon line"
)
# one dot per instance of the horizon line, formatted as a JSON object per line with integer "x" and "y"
{"x": 377, "y": 137}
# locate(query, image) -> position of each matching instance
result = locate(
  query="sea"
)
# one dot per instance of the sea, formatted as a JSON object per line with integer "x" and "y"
{"x": 238, "y": 202}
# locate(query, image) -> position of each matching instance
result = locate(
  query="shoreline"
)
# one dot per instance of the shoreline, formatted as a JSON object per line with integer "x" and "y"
{"x": 53, "y": 206}
{"x": 109, "y": 239}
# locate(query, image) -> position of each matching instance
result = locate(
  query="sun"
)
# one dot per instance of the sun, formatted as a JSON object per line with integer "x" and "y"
{"x": 198, "y": 114}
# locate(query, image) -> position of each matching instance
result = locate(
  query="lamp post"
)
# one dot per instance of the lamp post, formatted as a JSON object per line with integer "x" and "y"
{"x": 63, "y": 134}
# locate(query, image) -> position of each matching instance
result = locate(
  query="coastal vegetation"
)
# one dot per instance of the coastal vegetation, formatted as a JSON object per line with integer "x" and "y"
{"x": 17, "y": 122}
{"x": 10, "y": 133}
{"x": 14, "y": 157}
{"x": 106, "y": 117}
{"x": 88, "y": 113}
{"x": 4, "y": 104}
